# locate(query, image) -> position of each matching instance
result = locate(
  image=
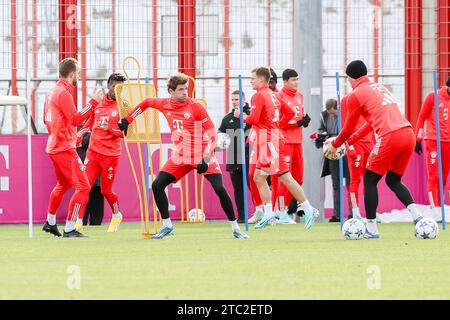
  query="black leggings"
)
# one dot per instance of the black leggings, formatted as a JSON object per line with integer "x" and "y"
{"x": 163, "y": 179}
{"x": 393, "y": 181}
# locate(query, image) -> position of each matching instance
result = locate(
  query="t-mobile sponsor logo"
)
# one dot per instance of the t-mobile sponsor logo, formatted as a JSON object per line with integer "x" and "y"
{"x": 4, "y": 180}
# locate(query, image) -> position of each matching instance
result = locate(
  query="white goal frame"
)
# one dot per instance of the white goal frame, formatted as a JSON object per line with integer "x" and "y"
{"x": 14, "y": 101}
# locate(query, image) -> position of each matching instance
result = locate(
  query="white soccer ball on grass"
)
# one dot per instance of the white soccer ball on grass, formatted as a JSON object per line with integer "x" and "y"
{"x": 353, "y": 229}
{"x": 427, "y": 228}
{"x": 196, "y": 215}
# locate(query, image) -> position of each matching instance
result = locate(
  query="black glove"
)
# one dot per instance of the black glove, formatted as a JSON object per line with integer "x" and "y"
{"x": 202, "y": 167}
{"x": 304, "y": 122}
{"x": 123, "y": 125}
{"x": 321, "y": 137}
{"x": 418, "y": 148}
{"x": 85, "y": 141}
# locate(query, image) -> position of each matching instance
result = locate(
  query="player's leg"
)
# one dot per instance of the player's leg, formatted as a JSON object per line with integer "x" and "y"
{"x": 76, "y": 174}
{"x": 214, "y": 176}
{"x": 403, "y": 141}
{"x": 109, "y": 169}
{"x": 356, "y": 164}
{"x": 159, "y": 185}
{"x": 263, "y": 157}
{"x": 294, "y": 158}
{"x": 260, "y": 178}
{"x": 334, "y": 172}
{"x": 433, "y": 173}
{"x": 311, "y": 213}
{"x": 236, "y": 180}
{"x": 93, "y": 169}
{"x": 371, "y": 180}
{"x": 275, "y": 195}
{"x": 56, "y": 196}
{"x": 258, "y": 214}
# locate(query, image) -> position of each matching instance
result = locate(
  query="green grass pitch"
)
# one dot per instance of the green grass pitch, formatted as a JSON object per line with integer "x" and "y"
{"x": 205, "y": 262}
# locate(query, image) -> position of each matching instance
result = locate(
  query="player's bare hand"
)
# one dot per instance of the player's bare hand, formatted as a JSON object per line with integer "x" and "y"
{"x": 97, "y": 95}
{"x": 236, "y": 113}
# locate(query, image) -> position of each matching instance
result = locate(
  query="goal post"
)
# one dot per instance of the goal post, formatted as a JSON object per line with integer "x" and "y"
{"x": 21, "y": 101}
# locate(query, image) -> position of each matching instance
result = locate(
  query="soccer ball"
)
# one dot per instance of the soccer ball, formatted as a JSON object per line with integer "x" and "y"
{"x": 353, "y": 229}
{"x": 427, "y": 228}
{"x": 340, "y": 152}
{"x": 223, "y": 141}
{"x": 196, "y": 215}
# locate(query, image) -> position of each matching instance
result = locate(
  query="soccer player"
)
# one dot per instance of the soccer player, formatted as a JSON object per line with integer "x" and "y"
{"x": 270, "y": 157}
{"x": 357, "y": 155}
{"x": 104, "y": 147}
{"x": 194, "y": 138}
{"x": 293, "y": 134}
{"x": 427, "y": 114}
{"x": 259, "y": 212}
{"x": 61, "y": 118}
{"x": 394, "y": 145}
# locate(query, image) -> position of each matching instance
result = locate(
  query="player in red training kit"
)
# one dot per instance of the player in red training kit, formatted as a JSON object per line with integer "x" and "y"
{"x": 259, "y": 212}
{"x": 266, "y": 122}
{"x": 61, "y": 118}
{"x": 427, "y": 114}
{"x": 394, "y": 145}
{"x": 357, "y": 154}
{"x": 293, "y": 134}
{"x": 102, "y": 157}
{"x": 194, "y": 138}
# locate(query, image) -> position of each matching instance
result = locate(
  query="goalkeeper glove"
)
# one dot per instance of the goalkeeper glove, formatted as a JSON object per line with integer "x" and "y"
{"x": 304, "y": 122}
{"x": 418, "y": 148}
{"x": 202, "y": 167}
{"x": 123, "y": 125}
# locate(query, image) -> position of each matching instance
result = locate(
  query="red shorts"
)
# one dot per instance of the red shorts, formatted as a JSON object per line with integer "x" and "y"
{"x": 271, "y": 158}
{"x": 392, "y": 152}
{"x": 179, "y": 169}
{"x": 70, "y": 171}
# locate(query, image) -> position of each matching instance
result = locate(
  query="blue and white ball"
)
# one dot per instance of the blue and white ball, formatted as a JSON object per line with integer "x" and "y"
{"x": 340, "y": 152}
{"x": 427, "y": 228}
{"x": 353, "y": 229}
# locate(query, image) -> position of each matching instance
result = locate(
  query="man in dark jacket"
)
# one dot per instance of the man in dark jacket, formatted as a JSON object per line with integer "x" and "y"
{"x": 230, "y": 125}
{"x": 329, "y": 128}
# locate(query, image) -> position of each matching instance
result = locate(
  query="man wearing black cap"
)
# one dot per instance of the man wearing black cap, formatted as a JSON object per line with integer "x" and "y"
{"x": 427, "y": 114}
{"x": 394, "y": 146}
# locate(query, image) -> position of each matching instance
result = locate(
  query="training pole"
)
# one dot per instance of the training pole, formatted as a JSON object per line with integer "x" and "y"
{"x": 244, "y": 168}
{"x": 341, "y": 160}
{"x": 438, "y": 143}
{"x": 147, "y": 165}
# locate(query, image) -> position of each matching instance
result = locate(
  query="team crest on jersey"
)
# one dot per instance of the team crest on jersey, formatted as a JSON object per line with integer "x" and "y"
{"x": 110, "y": 175}
{"x": 433, "y": 154}
{"x": 187, "y": 114}
{"x": 82, "y": 165}
{"x": 114, "y": 113}
{"x": 287, "y": 158}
